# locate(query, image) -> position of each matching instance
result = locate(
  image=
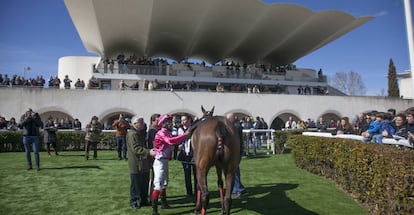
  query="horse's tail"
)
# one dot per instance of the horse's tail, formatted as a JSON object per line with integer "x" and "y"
{"x": 221, "y": 132}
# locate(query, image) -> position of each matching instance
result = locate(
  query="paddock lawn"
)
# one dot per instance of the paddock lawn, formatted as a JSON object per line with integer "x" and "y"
{"x": 67, "y": 184}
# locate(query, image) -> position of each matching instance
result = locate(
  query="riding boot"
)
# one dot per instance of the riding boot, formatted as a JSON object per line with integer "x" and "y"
{"x": 154, "y": 204}
{"x": 163, "y": 196}
{"x": 154, "y": 201}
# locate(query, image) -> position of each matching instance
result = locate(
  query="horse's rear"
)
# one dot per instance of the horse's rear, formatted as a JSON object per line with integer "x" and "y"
{"x": 215, "y": 142}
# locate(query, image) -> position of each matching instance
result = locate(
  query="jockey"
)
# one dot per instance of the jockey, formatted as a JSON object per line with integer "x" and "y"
{"x": 164, "y": 143}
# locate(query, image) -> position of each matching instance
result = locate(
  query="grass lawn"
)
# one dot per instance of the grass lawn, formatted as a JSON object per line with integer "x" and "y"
{"x": 67, "y": 184}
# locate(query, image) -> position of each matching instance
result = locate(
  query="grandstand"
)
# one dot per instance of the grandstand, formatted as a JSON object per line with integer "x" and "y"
{"x": 257, "y": 44}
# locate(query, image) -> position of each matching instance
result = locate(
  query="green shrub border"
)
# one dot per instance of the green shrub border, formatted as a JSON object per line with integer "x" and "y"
{"x": 380, "y": 177}
{"x": 11, "y": 141}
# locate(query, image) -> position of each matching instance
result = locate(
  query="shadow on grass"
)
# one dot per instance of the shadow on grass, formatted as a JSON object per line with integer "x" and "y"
{"x": 261, "y": 156}
{"x": 71, "y": 155}
{"x": 263, "y": 199}
{"x": 74, "y": 167}
{"x": 107, "y": 159}
{"x": 270, "y": 199}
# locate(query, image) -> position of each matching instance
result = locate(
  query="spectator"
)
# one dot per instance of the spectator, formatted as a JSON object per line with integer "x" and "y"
{"x": 93, "y": 131}
{"x": 67, "y": 82}
{"x": 290, "y": 124}
{"x": 362, "y": 123}
{"x": 186, "y": 157}
{"x": 392, "y": 112}
{"x": 386, "y": 128}
{"x": 77, "y": 125}
{"x": 122, "y": 85}
{"x": 3, "y": 123}
{"x": 31, "y": 122}
{"x": 220, "y": 88}
{"x": 78, "y": 84}
{"x": 373, "y": 127}
{"x": 6, "y": 80}
{"x": 135, "y": 86}
{"x": 310, "y": 123}
{"x": 50, "y": 137}
{"x": 56, "y": 82}
{"x": 322, "y": 125}
{"x": 67, "y": 123}
{"x": 400, "y": 124}
{"x": 139, "y": 163}
{"x": 12, "y": 125}
{"x": 258, "y": 135}
{"x": 121, "y": 126}
{"x": 410, "y": 126}
{"x": 301, "y": 124}
{"x": 344, "y": 127}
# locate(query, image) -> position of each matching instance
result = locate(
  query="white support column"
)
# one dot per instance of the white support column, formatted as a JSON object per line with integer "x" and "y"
{"x": 410, "y": 36}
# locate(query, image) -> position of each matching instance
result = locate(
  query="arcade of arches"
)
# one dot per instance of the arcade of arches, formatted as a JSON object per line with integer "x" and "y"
{"x": 278, "y": 123}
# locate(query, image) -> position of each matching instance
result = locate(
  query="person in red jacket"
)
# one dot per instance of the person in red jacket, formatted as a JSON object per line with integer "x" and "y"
{"x": 122, "y": 127}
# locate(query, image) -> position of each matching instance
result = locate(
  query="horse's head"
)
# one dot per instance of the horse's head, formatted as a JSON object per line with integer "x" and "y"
{"x": 207, "y": 113}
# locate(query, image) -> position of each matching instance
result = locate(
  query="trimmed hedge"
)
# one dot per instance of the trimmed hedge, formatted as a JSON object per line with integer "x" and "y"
{"x": 11, "y": 141}
{"x": 381, "y": 177}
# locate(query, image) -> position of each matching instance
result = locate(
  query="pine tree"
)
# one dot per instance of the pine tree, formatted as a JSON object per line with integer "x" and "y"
{"x": 393, "y": 90}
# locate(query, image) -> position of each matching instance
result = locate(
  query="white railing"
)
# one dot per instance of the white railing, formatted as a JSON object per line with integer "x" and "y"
{"x": 389, "y": 141}
{"x": 270, "y": 145}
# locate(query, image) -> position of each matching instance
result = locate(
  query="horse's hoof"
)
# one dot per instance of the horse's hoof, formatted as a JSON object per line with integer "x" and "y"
{"x": 197, "y": 211}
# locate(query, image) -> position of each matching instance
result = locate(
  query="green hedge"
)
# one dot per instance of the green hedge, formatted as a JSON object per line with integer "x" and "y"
{"x": 381, "y": 177}
{"x": 11, "y": 141}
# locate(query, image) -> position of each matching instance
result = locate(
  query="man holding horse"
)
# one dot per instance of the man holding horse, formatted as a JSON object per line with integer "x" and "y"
{"x": 164, "y": 143}
{"x": 186, "y": 157}
{"x": 238, "y": 188}
{"x": 139, "y": 163}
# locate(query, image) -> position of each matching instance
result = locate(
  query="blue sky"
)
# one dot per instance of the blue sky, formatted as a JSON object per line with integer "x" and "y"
{"x": 38, "y": 33}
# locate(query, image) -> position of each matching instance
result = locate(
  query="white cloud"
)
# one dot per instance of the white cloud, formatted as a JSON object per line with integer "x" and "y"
{"x": 382, "y": 13}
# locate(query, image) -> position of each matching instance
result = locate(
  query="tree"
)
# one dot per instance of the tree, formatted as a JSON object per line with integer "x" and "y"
{"x": 393, "y": 90}
{"x": 349, "y": 83}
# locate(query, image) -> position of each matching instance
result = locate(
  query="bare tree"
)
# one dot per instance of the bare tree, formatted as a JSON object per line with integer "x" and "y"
{"x": 349, "y": 83}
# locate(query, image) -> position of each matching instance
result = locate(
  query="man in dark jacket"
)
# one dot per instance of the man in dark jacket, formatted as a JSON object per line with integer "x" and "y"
{"x": 139, "y": 162}
{"x": 30, "y": 123}
{"x": 50, "y": 137}
{"x": 238, "y": 188}
{"x": 92, "y": 137}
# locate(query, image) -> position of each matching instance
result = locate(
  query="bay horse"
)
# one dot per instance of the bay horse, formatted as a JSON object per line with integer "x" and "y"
{"x": 215, "y": 142}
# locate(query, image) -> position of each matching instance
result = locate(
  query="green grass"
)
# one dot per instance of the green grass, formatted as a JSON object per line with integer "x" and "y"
{"x": 68, "y": 184}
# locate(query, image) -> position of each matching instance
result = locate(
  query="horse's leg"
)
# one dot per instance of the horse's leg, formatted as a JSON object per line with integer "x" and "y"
{"x": 220, "y": 186}
{"x": 229, "y": 187}
{"x": 202, "y": 193}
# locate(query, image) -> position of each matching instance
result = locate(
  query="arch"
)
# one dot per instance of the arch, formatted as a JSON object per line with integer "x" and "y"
{"x": 279, "y": 120}
{"x": 109, "y": 116}
{"x": 183, "y": 111}
{"x": 55, "y": 112}
{"x": 329, "y": 115}
{"x": 239, "y": 113}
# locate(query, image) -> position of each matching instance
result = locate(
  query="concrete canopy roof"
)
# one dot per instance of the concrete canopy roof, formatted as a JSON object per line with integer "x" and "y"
{"x": 247, "y": 31}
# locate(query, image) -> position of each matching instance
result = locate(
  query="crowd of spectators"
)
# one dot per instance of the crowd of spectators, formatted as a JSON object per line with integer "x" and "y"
{"x": 19, "y": 81}
{"x": 60, "y": 123}
{"x": 373, "y": 126}
{"x": 134, "y": 64}
{"x": 39, "y": 81}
